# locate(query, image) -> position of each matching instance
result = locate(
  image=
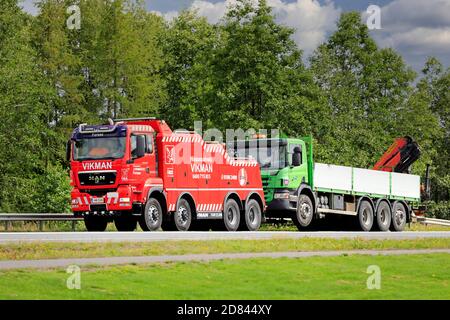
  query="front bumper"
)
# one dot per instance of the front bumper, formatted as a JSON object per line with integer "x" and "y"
{"x": 282, "y": 200}
{"x": 119, "y": 200}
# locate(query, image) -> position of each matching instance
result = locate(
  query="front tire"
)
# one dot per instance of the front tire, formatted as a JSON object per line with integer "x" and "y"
{"x": 365, "y": 216}
{"x": 251, "y": 221}
{"x": 152, "y": 216}
{"x": 398, "y": 217}
{"x": 304, "y": 213}
{"x": 95, "y": 223}
{"x": 384, "y": 216}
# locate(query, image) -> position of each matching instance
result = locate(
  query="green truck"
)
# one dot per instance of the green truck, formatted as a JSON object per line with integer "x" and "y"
{"x": 296, "y": 187}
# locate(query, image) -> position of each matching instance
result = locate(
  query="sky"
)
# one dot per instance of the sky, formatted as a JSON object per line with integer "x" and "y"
{"x": 417, "y": 29}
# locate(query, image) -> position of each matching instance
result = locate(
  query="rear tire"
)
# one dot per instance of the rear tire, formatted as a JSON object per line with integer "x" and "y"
{"x": 95, "y": 223}
{"x": 125, "y": 223}
{"x": 384, "y": 216}
{"x": 183, "y": 216}
{"x": 151, "y": 218}
{"x": 305, "y": 212}
{"x": 365, "y": 216}
{"x": 398, "y": 217}
{"x": 251, "y": 220}
{"x": 231, "y": 215}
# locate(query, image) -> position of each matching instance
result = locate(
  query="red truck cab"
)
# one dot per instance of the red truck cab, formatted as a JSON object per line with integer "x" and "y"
{"x": 139, "y": 171}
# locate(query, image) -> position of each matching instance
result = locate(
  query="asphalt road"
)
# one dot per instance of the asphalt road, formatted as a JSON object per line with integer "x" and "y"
{"x": 64, "y": 263}
{"x": 166, "y": 236}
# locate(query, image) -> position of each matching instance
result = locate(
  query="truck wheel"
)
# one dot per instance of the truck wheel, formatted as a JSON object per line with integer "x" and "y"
{"x": 398, "y": 217}
{"x": 365, "y": 216}
{"x": 125, "y": 223}
{"x": 231, "y": 215}
{"x": 95, "y": 223}
{"x": 151, "y": 218}
{"x": 305, "y": 212}
{"x": 183, "y": 216}
{"x": 383, "y": 216}
{"x": 251, "y": 221}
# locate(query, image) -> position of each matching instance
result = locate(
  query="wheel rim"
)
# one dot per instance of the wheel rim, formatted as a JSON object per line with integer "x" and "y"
{"x": 366, "y": 216}
{"x": 305, "y": 211}
{"x": 399, "y": 216}
{"x": 384, "y": 216}
{"x": 231, "y": 216}
{"x": 182, "y": 216}
{"x": 153, "y": 214}
{"x": 252, "y": 217}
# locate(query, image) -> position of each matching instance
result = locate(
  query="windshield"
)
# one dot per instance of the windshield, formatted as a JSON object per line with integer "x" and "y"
{"x": 99, "y": 148}
{"x": 271, "y": 157}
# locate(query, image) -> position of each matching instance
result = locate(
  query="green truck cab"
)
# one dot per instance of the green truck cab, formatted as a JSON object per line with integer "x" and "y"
{"x": 286, "y": 170}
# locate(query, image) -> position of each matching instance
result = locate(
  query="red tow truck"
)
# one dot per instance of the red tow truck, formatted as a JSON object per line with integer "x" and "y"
{"x": 138, "y": 171}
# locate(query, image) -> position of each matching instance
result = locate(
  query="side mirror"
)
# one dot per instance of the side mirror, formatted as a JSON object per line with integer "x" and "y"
{"x": 140, "y": 146}
{"x": 68, "y": 150}
{"x": 297, "y": 157}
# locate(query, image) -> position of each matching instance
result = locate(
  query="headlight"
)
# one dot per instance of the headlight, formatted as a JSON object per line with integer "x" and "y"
{"x": 124, "y": 200}
{"x": 281, "y": 195}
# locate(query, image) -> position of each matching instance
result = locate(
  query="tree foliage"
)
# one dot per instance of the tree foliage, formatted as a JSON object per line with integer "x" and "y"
{"x": 243, "y": 72}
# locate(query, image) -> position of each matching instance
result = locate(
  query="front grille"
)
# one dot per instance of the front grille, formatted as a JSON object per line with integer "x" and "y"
{"x": 98, "y": 193}
{"x": 97, "y": 178}
{"x": 268, "y": 193}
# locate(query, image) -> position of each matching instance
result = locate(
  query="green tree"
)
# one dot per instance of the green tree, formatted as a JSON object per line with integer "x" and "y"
{"x": 259, "y": 79}
{"x": 123, "y": 60}
{"x": 367, "y": 89}
{"x": 24, "y": 109}
{"x": 188, "y": 44}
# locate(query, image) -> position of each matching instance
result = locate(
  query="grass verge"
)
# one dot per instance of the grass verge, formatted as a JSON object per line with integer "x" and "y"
{"x": 343, "y": 277}
{"x": 51, "y": 250}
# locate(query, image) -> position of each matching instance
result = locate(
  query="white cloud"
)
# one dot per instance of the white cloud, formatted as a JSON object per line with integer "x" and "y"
{"x": 417, "y": 29}
{"x": 311, "y": 20}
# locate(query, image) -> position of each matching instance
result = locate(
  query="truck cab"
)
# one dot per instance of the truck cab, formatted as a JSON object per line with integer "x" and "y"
{"x": 286, "y": 168}
{"x": 111, "y": 165}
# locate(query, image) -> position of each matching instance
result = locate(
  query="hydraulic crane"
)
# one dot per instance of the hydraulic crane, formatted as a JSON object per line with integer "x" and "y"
{"x": 400, "y": 156}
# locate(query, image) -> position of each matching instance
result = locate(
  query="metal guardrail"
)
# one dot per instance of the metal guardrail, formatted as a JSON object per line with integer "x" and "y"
{"x": 37, "y": 217}
{"x": 439, "y": 222}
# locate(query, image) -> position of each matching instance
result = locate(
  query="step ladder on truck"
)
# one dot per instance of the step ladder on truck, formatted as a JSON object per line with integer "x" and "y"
{"x": 138, "y": 170}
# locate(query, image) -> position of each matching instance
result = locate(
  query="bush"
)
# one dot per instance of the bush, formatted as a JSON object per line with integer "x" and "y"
{"x": 440, "y": 210}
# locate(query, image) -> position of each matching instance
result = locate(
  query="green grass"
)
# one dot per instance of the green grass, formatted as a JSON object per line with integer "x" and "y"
{"x": 49, "y": 250}
{"x": 343, "y": 277}
{"x": 58, "y": 226}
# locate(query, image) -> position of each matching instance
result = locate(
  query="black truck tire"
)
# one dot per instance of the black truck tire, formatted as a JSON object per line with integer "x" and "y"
{"x": 251, "y": 219}
{"x": 398, "y": 217}
{"x": 383, "y": 216}
{"x": 95, "y": 223}
{"x": 125, "y": 223}
{"x": 231, "y": 215}
{"x": 305, "y": 212}
{"x": 151, "y": 218}
{"x": 183, "y": 216}
{"x": 365, "y": 216}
